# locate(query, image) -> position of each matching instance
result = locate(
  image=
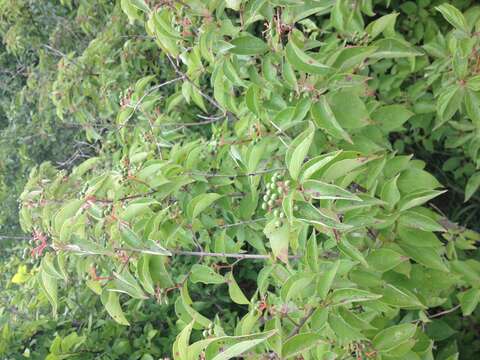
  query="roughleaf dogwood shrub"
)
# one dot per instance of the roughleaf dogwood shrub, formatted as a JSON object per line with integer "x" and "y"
{"x": 269, "y": 149}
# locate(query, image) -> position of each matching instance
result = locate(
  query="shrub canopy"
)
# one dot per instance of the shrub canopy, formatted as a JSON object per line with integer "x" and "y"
{"x": 251, "y": 188}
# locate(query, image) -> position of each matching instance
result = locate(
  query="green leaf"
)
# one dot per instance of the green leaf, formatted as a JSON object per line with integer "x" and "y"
{"x": 399, "y": 297}
{"x": 310, "y": 214}
{"x": 303, "y": 62}
{"x": 252, "y": 99}
{"x": 344, "y": 331}
{"x": 415, "y": 179}
{"x": 298, "y": 10}
{"x": 295, "y": 285}
{"x": 468, "y": 270}
{"x": 384, "y": 24}
{"x": 426, "y": 256}
{"x": 70, "y": 209}
{"x": 236, "y": 294}
{"x": 321, "y": 190}
{"x": 418, "y": 220}
{"x": 238, "y": 349}
{"x": 130, "y": 10}
{"x": 129, "y": 236}
{"x": 354, "y": 319}
{"x": 21, "y": 275}
{"x": 415, "y": 237}
{"x": 472, "y": 106}
{"x": 248, "y": 45}
{"x": 351, "y": 251}
{"x": 301, "y": 109}
{"x": 325, "y": 119}
{"x": 384, "y": 259}
{"x": 112, "y": 304}
{"x": 279, "y": 238}
{"x": 144, "y": 276}
{"x": 349, "y": 110}
{"x": 390, "y": 193}
{"x": 48, "y": 266}
{"x": 418, "y": 198}
{"x": 343, "y": 167}
{"x": 49, "y": 287}
{"x": 298, "y": 150}
{"x": 141, "y": 5}
{"x": 316, "y": 164}
{"x": 300, "y": 344}
{"x": 151, "y": 247}
{"x": 469, "y": 300}
{"x": 126, "y": 283}
{"x": 182, "y": 341}
{"x": 391, "y": 117}
{"x": 350, "y": 58}
{"x": 196, "y": 349}
{"x": 200, "y": 203}
{"x": 194, "y": 314}
{"x": 473, "y": 184}
{"x": 206, "y": 275}
{"x": 85, "y": 166}
{"x": 453, "y": 16}
{"x": 393, "y": 48}
{"x": 473, "y": 83}
{"x": 351, "y": 295}
{"x": 389, "y": 338}
{"x": 448, "y": 103}
{"x": 325, "y": 279}
{"x": 312, "y": 252}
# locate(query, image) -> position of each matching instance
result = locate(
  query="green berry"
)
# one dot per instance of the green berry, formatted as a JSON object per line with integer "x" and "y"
{"x": 265, "y": 197}
{"x": 287, "y": 183}
{"x": 295, "y": 208}
{"x": 274, "y": 197}
{"x": 276, "y": 213}
{"x": 282, "y": 215}
{"x": 270, "y": 203}
{"x": 264, "y": 206}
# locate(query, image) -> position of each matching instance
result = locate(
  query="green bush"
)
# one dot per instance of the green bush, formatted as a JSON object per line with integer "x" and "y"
{"x": 253, "y": 191}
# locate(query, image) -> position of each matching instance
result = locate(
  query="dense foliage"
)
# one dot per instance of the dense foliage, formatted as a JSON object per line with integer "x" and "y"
{"x": 220, "y": 179}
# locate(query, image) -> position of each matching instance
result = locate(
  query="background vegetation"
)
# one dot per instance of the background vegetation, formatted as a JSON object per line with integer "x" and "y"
{"x": 139, "y": 136}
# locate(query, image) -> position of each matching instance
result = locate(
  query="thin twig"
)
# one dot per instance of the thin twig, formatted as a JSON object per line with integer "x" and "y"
{"x": 301, "y": 323}
{"x": 259, "y": 172}
{"x": 292, "y": 320}
{"x": 444, "y": 312}
{"x": 243, "y": 223}
{"x": 14, "y": 237}
{"x": 151, "y": 90}
{"x": 125, "y": 198}
{"x": 205, "y": 96}
{"x": 227, "y": 255}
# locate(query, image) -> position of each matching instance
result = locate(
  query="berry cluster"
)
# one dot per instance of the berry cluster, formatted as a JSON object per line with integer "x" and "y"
{"x": 276, "y": 191}
{"x": 206, "y": 333}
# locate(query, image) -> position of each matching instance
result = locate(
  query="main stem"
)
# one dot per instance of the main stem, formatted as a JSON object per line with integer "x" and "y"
{"x": 227, "y": 255}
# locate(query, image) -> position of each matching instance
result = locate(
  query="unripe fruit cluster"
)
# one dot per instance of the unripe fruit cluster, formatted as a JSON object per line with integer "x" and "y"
{"x": 272, "y": 200}
{"x": 208, "y": 332}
